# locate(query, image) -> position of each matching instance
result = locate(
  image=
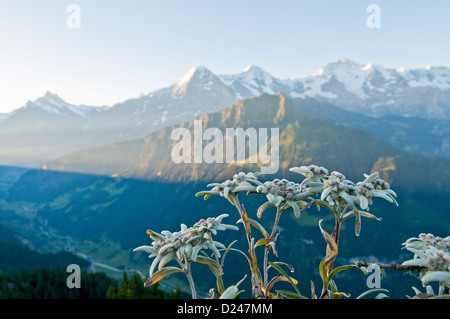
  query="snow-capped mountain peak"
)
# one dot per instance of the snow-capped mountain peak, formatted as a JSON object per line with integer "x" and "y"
{"x": 183, "y": 80}
{"x": 51, "y": 103}
{"x": 198, "y": 71}
{"x": 253, "y": 81}
{"x": 52, "y": 98}
{"x": 257, "y": 74}
{"x": 199, "y": 76}
{"x": 255, "y": 71}
{"x": 437, "y": 77}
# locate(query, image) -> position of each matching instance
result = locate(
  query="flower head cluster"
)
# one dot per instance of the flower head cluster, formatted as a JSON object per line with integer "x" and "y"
{"x": 441, "y": 260}
{"x": 364, "y": 188}
{"x": 373, "y": 186}
{"x": 337, "y": 188}
{"x": 429, "y": 240}
{"x": 433, "y": 253}
{"x": 337, "y": 183}
{"x": 240, "y": 181}
{"x": 312, "y": 172}
{"x": 286, "y": 194}
{"x": 186, "y": 243}
{"x": 280, "y": 190}
{"x": 380, "y": 184}
{"x": 230, "y": 188}
{"x": 283, "y": 190}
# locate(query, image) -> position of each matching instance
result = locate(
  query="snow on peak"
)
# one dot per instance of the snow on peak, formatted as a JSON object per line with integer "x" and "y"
{"x": 319, "y": 72}
{"x": 254, "y": 69}
{"x": 50, "y": 98}
{"x": 50, "y": 95}
{"x": 437, "y": 77}
{"x": 198, "y": 73}
{"x": 53, "y": 104}
{"x": 257, "y": 79}
{"x": 256, "y": 72}
{"x": 347, "y": 62}
{"x": 179, "y": 88}
{"x": 249, "y": 67}
{"x": 50, "y": 103}
{"x": 402, "y": 69}
{"x": 368, "y": 66}
{"x": 342, "y": 61}
{"x": 351, "y": 74}
{"x": 340, "y": 65}
{"x": 183, "y": 80}
{"x": 253, "y": 81}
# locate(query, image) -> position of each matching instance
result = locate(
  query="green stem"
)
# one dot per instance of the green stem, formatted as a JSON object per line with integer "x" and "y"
{"x": 254, "y": 269}
{"x": 275, "y": 224}
{"x": 267, "y": 248}
{"x": 191, "y": 280}
{"x": 246, "y": 225}
{"x": 335, "y": 235}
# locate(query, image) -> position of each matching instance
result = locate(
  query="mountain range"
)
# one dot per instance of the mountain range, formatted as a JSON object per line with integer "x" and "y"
{"x": 303, "y": 139}
{"x": 49, "y": 127}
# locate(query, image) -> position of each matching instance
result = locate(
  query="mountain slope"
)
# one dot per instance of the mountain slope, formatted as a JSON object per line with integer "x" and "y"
{"x": 304, "y": 139}
{"x": 419, "y": 136}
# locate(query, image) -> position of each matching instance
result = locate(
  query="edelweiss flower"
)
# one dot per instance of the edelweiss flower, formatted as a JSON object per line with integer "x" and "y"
{"x": 286, "y": 193}
{"x": 337, "y": 188}
{"x": 373, "y": 186}
{"x": 432, "y": 253}
{"x": 230, "y": 188}
{"x": 186, "y": 243}
{"x": 311, "y": 172}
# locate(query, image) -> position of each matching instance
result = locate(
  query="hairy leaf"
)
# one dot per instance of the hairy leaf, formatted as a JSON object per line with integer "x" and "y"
{"x": 160, "y": 274}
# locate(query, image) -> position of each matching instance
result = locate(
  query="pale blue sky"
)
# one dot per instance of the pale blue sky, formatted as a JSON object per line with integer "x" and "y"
{"x": 124, "y": 48}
